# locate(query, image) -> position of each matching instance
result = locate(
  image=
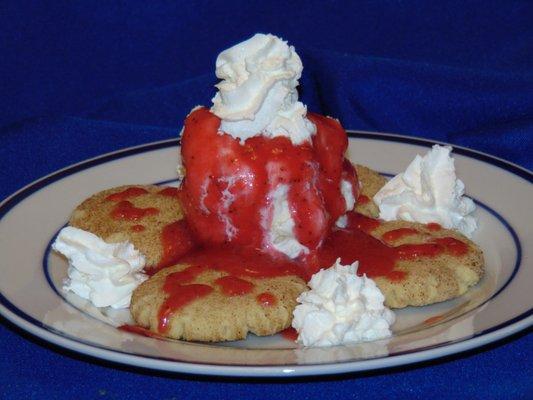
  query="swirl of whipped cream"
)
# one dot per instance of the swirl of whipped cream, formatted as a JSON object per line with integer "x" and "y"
{"x": 257, "y": 94}
{"x": 341, "y": 308}
{"x": 103, "y": 273}
{"x": 428, "y": 191}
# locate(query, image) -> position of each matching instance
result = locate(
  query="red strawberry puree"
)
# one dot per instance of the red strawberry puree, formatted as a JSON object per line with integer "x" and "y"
{"x": 227, "y": 191}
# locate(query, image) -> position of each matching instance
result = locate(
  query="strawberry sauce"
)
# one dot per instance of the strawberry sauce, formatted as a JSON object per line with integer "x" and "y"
{"x": 175, "y": 237}
{"x": 228, "y": 189}
{"x": 266, "y": 299}
{"x": 227, "y": 196}
{"x": 375, "y": 257}
{"x": 361, "y": 222}
{"x": 362, "y": 199}
{"x": 434, "y": 319}
{"x": 177, "y": 241}
{"x": 433, "y": 226}
{"x": 290, "y": 334}
{"x": 446, "y": 245}
{"x": 137, "y": 228}
{"x": 127, "y": 194}
{"x": 169, "y": 192}
{"x": 233, "y": 286}
{"x": 396, "y": 234}
{"x": 243, "y": 261}
{"x": 126, "y": 210}
{"x": 139, "y": 330}
{"x": 179, "y": 297}
{"x": 180, "y": 293}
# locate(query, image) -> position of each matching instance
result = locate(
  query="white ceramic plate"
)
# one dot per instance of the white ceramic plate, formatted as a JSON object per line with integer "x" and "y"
{"x": 30, "y": 294}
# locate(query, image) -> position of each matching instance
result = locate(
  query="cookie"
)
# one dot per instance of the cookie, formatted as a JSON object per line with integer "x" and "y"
{"x": 369, "y": 184}
{"x": 201, "y": 304}
{"x": 148, "y": 216}
{"x": 428, "y": 278}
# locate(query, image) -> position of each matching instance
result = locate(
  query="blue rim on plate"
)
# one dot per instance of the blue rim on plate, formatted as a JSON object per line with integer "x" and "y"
{"x": 25, "y": 192}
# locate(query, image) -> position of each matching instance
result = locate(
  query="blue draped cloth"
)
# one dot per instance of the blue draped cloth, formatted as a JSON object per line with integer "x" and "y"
{"x": 79, "y": 79}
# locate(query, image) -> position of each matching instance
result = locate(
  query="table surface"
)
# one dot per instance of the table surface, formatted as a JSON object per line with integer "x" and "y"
{"x": 80, "y": 79}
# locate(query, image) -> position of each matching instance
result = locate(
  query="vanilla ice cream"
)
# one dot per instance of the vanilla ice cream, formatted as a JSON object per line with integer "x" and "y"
{"x": 281, "y": 230}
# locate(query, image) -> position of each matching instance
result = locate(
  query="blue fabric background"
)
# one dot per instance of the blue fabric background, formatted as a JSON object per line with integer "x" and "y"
{"x": 82, "y": 78}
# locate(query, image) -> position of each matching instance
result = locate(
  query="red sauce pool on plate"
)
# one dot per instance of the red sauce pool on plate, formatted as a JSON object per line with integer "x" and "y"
{"x": 433, "y": 320}
{"x": 290, "y": 334}
{"x": 139, "y": 330}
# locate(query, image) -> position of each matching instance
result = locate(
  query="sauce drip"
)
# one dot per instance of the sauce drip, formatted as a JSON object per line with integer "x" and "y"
{"x": 139, "y": 330}
{"x": 445, "y": 245}
{"x": 127, "y": 194}
{"x": 453, "y": 246}
{"x": 290, "y": 334}
{"x": 137, "y": 228}
{"x": 414, "y": 251}
{"x": 181, "y": 292}
{"x": 233, "y": 286}
{"x": 361, "y": 222}
{"x": 242, "y": 261}
{"x": 177, "y": 241}
{"x": 179, "y": 297}
{"x": 433, "y": 320}
{"x": 169, "y": 192}
{"x": 186, "y": 275}
{"x": 433, "y": 226}
{"x": 126, "y": 210}
{"x": 392, "y": 236}
{"x": 362, "y": 199}
{"x": 375, "y": 257}
{"x": 266, "y": 299}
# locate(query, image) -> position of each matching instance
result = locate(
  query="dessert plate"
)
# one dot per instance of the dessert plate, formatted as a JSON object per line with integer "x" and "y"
{"x": 500, "y": 305}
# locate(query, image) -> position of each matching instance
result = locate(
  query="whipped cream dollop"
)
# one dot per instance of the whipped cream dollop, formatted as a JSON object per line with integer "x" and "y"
{"x": 281, "y": 231}
{"x": 428, "y": 191}
{"x": 257, "y": 93}
{"x": 103, "y": 273}
{"x": 341, "y": 308}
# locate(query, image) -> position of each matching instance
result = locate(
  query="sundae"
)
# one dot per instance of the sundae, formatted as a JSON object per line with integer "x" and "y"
{"x": 272, "y": 226}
